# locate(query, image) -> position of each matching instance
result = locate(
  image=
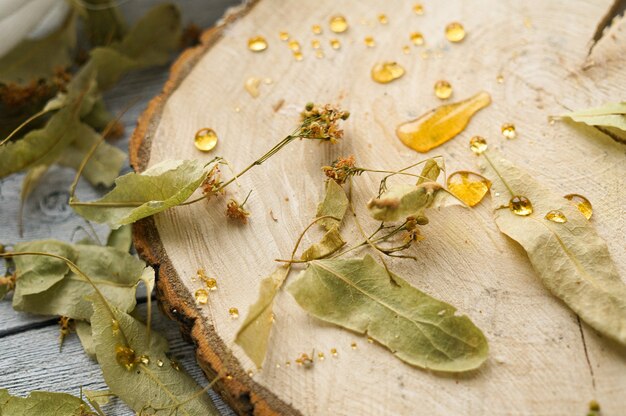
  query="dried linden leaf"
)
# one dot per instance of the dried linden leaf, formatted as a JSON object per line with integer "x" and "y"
{"x": 430, "y": 172}
{"x": 147, "y": 386}
{"x": 41, "y": 403}
{"x": 254, "y": 333}
{"x": 570, "y": 258}
{"x": 357, "y": 294}
{"x": 334, "y": 204}
{"x": 122, "y": 238}
{"x": 48, "y": 286}
{"x": 83, "y": 330}
{"x": 158, "y": 188}
{"x": 103, "y": 21}
{"x": 330, "y": 242}
{"x": 608, "y": 115}
{"x": 402, "y": 201}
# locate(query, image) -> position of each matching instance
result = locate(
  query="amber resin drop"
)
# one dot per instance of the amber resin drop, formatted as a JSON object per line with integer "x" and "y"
{"x": 520, "y": 205}
{"x": 417, "y": 38}
{"x": 385, "y": 72}
{"x": 556, "y": 216}
{"x": 478, "y": 144}
{"x": 455, "y": 32}
{"x": 205, "y": 140}
{"x": 508, "y": 130}
{"x": 125, "y": 357}
{"x": 202, "y": 296}
{"x": 443, "y": 89}
{"x": 441, "y": 124}
{"x": 582, "y": 203}
{"x": 338, "y": 24}
{"x": 469, "y": 187}
{"x": 257, "y": 44}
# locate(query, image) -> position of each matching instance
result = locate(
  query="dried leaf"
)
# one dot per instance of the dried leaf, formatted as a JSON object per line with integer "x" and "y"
{"x": 330, "y": 243}
{"x": 41, "y": 403}
{"x": 570, "y": 258}
{"x": 608, "y": 115}
{"x": 147, "y": 386}
{"x": 254, "y": 333}
{"x": 83, "y": 330}
{"x": 359, "y": 295}
{"x": 97, "y": 398}
{"x": 158, "y": 188}
{"x": 122, "y": 238}
{"x": 430, "y": 172}
{"x": 335, "y": 204}
{"x": 402, "y": 201}
{"x": 48, "y": 286}
{"x": 103, "y": 21}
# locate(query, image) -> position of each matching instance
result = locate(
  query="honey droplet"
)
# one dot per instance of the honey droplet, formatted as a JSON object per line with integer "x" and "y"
{"x": 210, "y": 283}
{"x": 144, "y": 359}
{"x": 418, "y": 9}
{"x": 508, "y": 131}
{"x": 520, "y": 205}
{"x": 455, "y": 32}
{"x": 202, "y": 296}
{"x": 440, "y": 124}
{"x": 288, "y": 363}
{"x": 582, "y": 203}
{"x": 385, "y": 72}
{"x": 321, "y": 356}
{"x": 406, "y": 49}
{"x": 125, "y": 356}
{"x": 257, "y": 44}
{"x": 416, "y": 38}
{"x": 338, "y": 24}
{"x": 319, "y": 53}
{"x": 229, "y": 377}
{"x": 250, "y": 373}
{"x": 353, "y": 345}
{"x": 333, "y": 352}
{"x": 315, "y": 43}
{"x": 298, "y": 56}
{"x": 252, "y": 86}
{"x": 294, "y": 45}
{"x": 369, "y": 41}
{"x": 175, "y": 365}
{"x": 205, "y": 140}
{"x": 500, "y": 79}
{"x": 159, "y": 363}
{"x": 335, "y": 44}
{"x": 469, "y": 187}
{"x": 382, "y": 18}
{"x": 556, "y": 216}
{"x": 370, "y": 340}
{"x": 316, "y": 29}
{"x": 283, "y": 36}
{"x": 443, "y": 89}
{"x": 115, "y": 326}
{"x": 234, "y": 313}
{"x": 478, "y": 144}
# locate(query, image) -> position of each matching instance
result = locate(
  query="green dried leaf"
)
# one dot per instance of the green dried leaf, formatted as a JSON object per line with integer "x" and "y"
{"x": 48, "y": 286}
{"x": 103, "y": 21}
{"x": 253, "y": 335}
{"x": 97, "y": 398}
{"x": 32, "y": 60}
{"x": 83, "y": 330}
{"x": 359, "y": 295}
{"x": 41, "y": 403}
{"x": 335, "y": 203}
{"x": 570, "y": 258}
{"x": 160, "y": 187}
{"x": 430, "y": 172}
{"x": 402, "y": 201}
{"x": 122, "y": 238}
{"x": 330, "y": 243}
{"x": 608, "y": 115}
{"x": 147, "y": 387}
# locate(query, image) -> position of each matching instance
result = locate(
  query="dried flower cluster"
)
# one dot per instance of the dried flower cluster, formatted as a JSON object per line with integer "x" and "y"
{"x": 211, "y": 185}
{"x": 322, "y": 122}
{"x": 235, "y": 211}
{"x": 341, "y": 169}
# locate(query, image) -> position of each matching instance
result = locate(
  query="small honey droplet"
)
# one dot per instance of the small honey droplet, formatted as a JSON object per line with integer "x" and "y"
{"x": 382, "y": 18}
{"x": 478, "y": 144}
{"x": 321, "y": 356}
{"x": 520, "y": 205}
{"x": 211, "y": 283}
{"x": 283, "y": 36}
{"x": 316, "y": 29}
{"x": 469, "y": 187}
{"x": 250, "y": 373}
{"x": 370, "y": 340}
{"x": 556, "y": 216}
{"x": 144, "y": 359}
{"x": 385, "y": 72}
{"x": 443, "y": 89}
{"x": 369, "y": 41}
{"x": 175, "y": 365}
{"x": 257, "y": 44}
{"x": 500, "y": 79}
{"x": 416, "y": 38}
{"x": 298, "y": 56}
{"x": 418, "y": 9}
{"x": 455, "y": 32}
{"x": 319, "y": 54}
{"x": 159, "y": 363}
{"x": 315, "y": 43}
{"x": 353, "y": 345}
{"x": 234, "y": 313}
{"x": 294, "y": 45}
{"x": 508, "y": 130}
{"x": 252, "y": 86}
{"x": 202, "y": 296}
{"x": 229, "y": 377}
{"x": 115, "y": 326}
{"x": 582, "y": 203}
{"x": 338, "y": 24}
{"x": 125, "y": 357}
{"x": 205, "y": 139}
{"x": 335, "y": 44}
{"x": 406, "y": 49}
{"x": 333, "y": 352}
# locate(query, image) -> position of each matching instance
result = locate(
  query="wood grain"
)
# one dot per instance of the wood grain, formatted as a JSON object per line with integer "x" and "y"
{"x": 543, "y": 361}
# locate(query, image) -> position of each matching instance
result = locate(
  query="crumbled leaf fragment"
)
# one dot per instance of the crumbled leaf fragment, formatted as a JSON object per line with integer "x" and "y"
{"x": 330, "y": 243}
{"x": 335, "y": 204}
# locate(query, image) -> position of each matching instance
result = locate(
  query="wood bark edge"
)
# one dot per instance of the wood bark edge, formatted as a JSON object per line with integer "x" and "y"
{"x": 239, "y": 390}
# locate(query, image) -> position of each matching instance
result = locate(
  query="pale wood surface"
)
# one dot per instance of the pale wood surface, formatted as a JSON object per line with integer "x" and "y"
{"x": 30, "y": 357}
{"x": 538, "y": 363}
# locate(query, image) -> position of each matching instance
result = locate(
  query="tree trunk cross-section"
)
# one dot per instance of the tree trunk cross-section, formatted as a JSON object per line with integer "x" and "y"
{"x": 542, "y": 360}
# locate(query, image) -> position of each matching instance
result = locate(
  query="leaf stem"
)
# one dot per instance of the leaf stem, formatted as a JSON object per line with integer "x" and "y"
{"x": 506, "y": 185}
{"x": 28, "y": 121}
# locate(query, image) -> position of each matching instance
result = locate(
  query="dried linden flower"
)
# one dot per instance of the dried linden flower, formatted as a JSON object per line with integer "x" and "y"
{"x": 341, "y": 169}
{"x": 322, "y": 122}
{"x": 235, "y": 211}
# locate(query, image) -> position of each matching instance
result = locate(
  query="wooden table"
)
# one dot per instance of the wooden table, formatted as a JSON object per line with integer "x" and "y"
{"x": 31, "y": 359}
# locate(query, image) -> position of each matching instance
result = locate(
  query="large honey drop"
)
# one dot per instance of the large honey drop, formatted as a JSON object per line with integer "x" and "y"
{"x": 441, "y": 124}
{"x": 556, "y": 216}
{"x": 520, "y": 205}
{"x": 125, "y": 357}
{"x": 257, "y": 44}
{"x": 205, "y": 140}
{"x": 582, "y": 203}
{"x": 469, "y": 187}
{"x": 385, "y": 72}
{"x": 338, "y": 24}
{"x": 455, "y": 32}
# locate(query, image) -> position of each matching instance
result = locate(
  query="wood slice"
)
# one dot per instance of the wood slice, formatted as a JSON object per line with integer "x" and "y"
{"x": 542, "y": 360}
